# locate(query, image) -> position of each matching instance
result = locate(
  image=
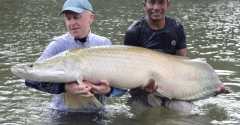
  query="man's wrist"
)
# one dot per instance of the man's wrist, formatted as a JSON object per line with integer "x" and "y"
{"x": 110, "y": 92}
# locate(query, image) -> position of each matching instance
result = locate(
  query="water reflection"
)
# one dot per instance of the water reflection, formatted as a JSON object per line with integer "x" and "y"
{"x": 215, "y": 25}
{"x": 212, "y": 28}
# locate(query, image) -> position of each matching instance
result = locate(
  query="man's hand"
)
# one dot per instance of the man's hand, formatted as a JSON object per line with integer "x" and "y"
{"x": 151, "y": 87}
{"x": 101, "y": 88}
{"x": 82, "y": 89}
{"x": 87, "y": 88}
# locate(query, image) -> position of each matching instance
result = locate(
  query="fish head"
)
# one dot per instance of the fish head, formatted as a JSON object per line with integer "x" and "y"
{"x": 46, "y": 71}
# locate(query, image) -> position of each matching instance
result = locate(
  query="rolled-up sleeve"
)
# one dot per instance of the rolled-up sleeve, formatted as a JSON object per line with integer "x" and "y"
{"x": 53, "y": 88}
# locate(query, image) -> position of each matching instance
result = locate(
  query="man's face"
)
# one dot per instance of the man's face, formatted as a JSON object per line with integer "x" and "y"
{"x": 78, "y": 24}
{"x": 156, "y": 9}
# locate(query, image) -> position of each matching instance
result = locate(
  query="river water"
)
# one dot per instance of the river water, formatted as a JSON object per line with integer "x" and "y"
{"x": 213, "y": 33}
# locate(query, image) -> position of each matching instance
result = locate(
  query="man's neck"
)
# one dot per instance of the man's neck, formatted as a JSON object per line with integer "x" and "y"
{"x": 156, "y": 24}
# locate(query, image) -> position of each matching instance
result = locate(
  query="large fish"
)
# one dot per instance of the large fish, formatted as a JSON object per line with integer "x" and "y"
{"x": 127, "y": 67}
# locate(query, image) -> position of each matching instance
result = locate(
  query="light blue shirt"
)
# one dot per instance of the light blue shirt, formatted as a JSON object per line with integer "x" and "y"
{"x": 66, "y": 42}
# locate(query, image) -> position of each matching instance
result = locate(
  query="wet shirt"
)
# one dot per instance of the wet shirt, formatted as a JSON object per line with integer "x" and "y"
{"x": 169, "y": 39}
{"x": 60, "y": 44}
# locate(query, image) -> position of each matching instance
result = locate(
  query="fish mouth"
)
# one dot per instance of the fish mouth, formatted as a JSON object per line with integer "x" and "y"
{"x": 27, "y": 71}
{"x": 21, "y": 69}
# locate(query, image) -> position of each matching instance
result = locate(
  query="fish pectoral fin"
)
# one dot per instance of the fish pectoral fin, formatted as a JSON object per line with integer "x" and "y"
{"x": 79, "y": 81}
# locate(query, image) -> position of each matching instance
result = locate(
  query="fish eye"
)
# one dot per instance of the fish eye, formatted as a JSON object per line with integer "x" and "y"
{"x": 31, "y": 65}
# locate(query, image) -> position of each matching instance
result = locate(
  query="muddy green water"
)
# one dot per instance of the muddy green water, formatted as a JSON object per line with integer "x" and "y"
{"x": 213, "y": 33}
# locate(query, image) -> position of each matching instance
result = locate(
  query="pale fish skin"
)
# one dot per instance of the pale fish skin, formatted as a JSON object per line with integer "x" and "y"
{"x": 127, "y": 67}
